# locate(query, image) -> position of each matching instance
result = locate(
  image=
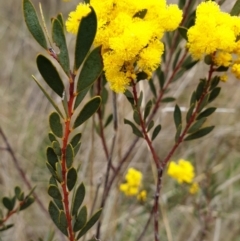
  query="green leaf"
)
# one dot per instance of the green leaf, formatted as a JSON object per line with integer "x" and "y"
{"x": 183, "y": 32}
{"x": 69, "y": 155}
{"x": 109, "y": 120}
{"x": 87, "y": 111}
{"x": 31, "y": 192}
{"x": 57, "y": 148}
{"x": 60, "y": 41}
{"x": 202, "y": 132}
{"x": 5, "y": 227}
{"x": 85, "y": 37}
{"x": 55, "y": 216}
{"x": 91, "y": 70}
{"x": 60, "y": 19}
{"x": 52, "y": 181}
{"x": 90, "y": 223}
{"x": 214, "y": 82}
{"x": 190, "y": 21}
{"x": 152, "y": 87}
{"x": 63, "y": 220}
{"x": 54, "y": 192}
{"x": 71, "y": 178}
{"x": 181, "y": 3}
{"x": 19, "y": 193}
{"x": 59, "y": 204}
{"x": 193, "y": 98}
{"x": 59, "y": 171}
{"x": 236, "y": 9}
{"x": 190, "y": 112}
{"x": 104, "y": 95}
{"x": 33, "y": 24}
{"x": 50, "y": 74}
{"x": 200, "y": 89}
{"x": 197, "y": 125}
{"x": 147, "y": 110}
{"x": 51, "y": 137}
{"x": 64, "y": 101}
{"x": 188, "y": 66}
{"x": 51, "y": 157}
{"x": 76, "y": 139}
{"x": 48, "y": 97}
{"x": 189, "y": 63}
{"x": 76, "y": 148}
{"x": 168, "y": 99}
{"x": 27, "y": 202}
{"x": 135, "y": 130}
{"x": 8, "y": 203}
{"x": 208, "y": 59}
{"x": 81, "y": 219}
{"x": 78, "y": 199}
{"x": 203, "y": 103}
{"x": 129, "y": 96}
{"x": 136, "y": 117}
{"x": 222, "y": 69}
{"x": 206, "y": 113}
{"x": 55, "y": 124}
{"x": 156, "y": 131}
{"x": 80, "y": 97}
{"x": 178, "y": 133}
{"x": 140, "y": 98}
{"x": 141, "y": 76}
{"x": 161, "y": 77}
{"x": 214, "y": 94}
{"x": 176, "y": 57}
{"x": 177, "y": 115}
{"x": 178, "y": 75}
{"x": 150, "y": 126}
{"x": 52, "y": 171}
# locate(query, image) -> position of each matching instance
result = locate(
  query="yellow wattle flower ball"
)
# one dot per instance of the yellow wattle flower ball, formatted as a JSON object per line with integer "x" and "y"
{"x": 75, "y": 17}
{"x": 133, "y": 184}
{"x": 213, "y": 30}
{"x": 130, "y": 33}
{"x": 183, "y": 171}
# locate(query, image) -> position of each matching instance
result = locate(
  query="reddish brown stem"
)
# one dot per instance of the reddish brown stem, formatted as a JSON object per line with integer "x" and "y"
{"x": 10, "y": 213}
{"x": 101, "y": 127}
{"x": 157, "y": 163}
{"x": 67, "y": 131}
{"x": 191, "y": 120}
{"x": 131, "y": 146}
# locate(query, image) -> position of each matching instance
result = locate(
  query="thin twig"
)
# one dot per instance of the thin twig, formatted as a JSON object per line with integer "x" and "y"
{"x": 105, "y": 192}
{"x": 20, "y": 170}
{"x": 146, "y": 225}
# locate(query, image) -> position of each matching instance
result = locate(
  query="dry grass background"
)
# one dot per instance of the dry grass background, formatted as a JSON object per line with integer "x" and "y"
{"x": 23, "y": 117}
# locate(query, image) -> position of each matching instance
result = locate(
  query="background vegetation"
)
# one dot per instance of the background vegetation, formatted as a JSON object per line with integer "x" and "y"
{"x": 215, "y": 211}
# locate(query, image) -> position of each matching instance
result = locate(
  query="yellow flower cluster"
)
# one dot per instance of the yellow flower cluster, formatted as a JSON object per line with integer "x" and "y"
{"x": 133, "y": 185}
{"x": 183, "y": 172}
{"x": 130, "y": 34}
{"x": 75, "y": 17}
{"x": 215, "y": 33}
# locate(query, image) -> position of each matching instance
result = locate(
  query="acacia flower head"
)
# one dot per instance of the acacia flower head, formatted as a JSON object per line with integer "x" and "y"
{"x": 183, "y": 172}
{"x": 130, "y": 33}
{"x": 215, "y": 33}
{"x": 132, "y": 185}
